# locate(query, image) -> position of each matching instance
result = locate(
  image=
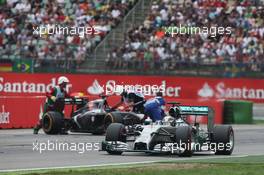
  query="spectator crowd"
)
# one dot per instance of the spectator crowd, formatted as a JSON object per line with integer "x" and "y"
{"x": 148, "y": 46}
{"x": 19, "y": 17}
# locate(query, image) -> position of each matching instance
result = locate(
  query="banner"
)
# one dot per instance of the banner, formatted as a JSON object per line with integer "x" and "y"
{"x": 14, "y": 84}
{"x": 22, "y": 95}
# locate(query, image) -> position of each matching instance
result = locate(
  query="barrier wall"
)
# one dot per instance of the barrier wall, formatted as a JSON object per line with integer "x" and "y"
{"x": 179, "y": 87}
{"x": 22, "y": 95}
{"x": 20, "y": 112}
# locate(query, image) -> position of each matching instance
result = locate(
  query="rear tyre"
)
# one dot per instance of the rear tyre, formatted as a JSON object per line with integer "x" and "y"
{"x": 184, "y": 140}
{"x": 52, "y": 122}
{"x": 112, "y": 117}
{"x": 115, "y": 132}
{"x": 223, "y": 138}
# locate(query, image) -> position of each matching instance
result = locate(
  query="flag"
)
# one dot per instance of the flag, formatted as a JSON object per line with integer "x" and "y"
{"x": 5, "y": 65}
{"x": 22, "y": 65}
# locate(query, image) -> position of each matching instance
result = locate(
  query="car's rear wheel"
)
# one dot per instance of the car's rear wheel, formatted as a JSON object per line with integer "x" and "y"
{"x": 112, "y": 118}
{"x": 52, "y": 122}
{"x": 184, "y": 141}
{"x": 115, "y": 132}
{"x": 223, "y": 138}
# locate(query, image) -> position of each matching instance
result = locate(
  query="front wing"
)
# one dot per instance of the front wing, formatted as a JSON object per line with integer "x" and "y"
{"x": 124, "y": 147}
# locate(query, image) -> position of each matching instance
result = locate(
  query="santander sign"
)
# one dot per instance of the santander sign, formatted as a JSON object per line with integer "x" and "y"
{"x": 224, "y": 92}
{"x": 27, "y": 87}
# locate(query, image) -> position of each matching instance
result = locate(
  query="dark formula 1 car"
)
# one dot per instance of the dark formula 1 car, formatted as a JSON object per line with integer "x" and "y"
{"x": 172, "y": 135}
{"x": 91, "y": 117}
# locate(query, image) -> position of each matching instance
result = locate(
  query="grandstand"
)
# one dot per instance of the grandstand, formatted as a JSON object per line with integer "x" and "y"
{"x": 19, "y": 18}
{"x": 132, "y": 38}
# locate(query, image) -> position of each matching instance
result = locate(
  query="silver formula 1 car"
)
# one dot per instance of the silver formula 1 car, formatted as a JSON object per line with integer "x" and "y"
{"x": 172, "y": 135}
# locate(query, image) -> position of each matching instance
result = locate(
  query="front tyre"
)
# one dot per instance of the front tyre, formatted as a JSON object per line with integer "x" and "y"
{"x": 184, "y": 140}
{"x": 115, "y": 132}
{"x": 223, "y": 138}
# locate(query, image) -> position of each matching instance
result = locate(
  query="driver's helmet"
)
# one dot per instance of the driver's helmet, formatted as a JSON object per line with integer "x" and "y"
{"x": 175, "y": 112}
{"x": 63, "y": 79}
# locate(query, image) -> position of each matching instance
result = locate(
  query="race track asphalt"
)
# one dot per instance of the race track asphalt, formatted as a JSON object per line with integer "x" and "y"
{"x": 17, "y": 149}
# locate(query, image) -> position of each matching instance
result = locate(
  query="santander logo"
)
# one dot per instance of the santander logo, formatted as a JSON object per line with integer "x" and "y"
{"x": 206, "y": 91}
{"x": 95, "y": 88}
{"x": 222, "y": 91}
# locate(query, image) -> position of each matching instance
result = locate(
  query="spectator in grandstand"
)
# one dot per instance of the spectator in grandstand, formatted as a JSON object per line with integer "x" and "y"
{"x": 111, "y": 57}
{"x": 18, "y": 18}
{"x": 244, "y": 43}
{"x": 80, "y": 56}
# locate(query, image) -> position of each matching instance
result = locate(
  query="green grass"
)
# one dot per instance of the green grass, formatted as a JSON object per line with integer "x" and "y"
{"x": 251, "y": 165}
{"x": 168, "y": 169}
{"x": 234, "y": 160}
{"x": 258, "y": 122}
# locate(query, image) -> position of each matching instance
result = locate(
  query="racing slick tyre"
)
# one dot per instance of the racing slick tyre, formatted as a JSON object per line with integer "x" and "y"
{"x": 223, "y": 138}
{"x": 115, "y": 132}
{"x": 112, "y": 117}
{"x": 52, "y": 122}
{"x": 184, "y": 140}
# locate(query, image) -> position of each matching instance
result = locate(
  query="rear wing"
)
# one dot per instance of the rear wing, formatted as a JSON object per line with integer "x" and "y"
{"x": 204, "y": 111}
{"x": 194, "y": 110}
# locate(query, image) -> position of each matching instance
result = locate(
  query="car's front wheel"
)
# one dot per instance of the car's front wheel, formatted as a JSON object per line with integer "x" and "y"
{"x": 223, "y": 138}
{"x": 115, "y": 132}
{"x": 184, "y": 141}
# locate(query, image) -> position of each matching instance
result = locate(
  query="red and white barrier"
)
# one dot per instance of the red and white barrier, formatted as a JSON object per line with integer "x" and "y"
{"x": 22, "y": 95}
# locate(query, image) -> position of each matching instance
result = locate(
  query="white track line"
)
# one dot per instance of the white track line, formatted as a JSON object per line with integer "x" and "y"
{"x": 120, "y": 164}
